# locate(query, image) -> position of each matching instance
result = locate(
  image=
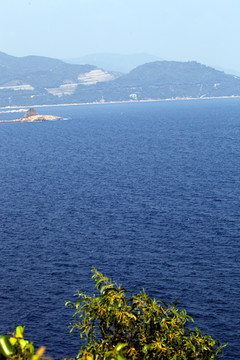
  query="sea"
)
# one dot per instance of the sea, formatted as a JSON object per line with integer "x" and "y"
{"x": 148, "y": 193}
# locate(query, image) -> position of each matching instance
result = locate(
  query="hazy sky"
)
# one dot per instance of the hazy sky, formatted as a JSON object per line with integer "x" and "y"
{"x": 207, "y": 31}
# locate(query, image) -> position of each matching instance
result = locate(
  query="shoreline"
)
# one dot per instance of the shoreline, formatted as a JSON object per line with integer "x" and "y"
{"x": 22, "y": 108}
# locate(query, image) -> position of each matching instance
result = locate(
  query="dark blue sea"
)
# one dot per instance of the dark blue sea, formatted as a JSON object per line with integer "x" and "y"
{"x": 149, "y": 193}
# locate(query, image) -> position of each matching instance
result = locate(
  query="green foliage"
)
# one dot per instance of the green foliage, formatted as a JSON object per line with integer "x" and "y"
{"x": 30, "y": 112}
{"x": 118, "y": 327}
{"x": 18, "y": 348}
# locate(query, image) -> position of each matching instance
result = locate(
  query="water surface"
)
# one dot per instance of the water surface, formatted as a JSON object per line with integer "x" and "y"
{"x": 148, "y": 193}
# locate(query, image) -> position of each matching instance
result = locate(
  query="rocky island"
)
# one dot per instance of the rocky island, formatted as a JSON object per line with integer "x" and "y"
{"x": 32, "y": 116}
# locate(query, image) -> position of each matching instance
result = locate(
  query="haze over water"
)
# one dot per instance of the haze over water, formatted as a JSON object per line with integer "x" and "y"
{"x": 147, "y": 193}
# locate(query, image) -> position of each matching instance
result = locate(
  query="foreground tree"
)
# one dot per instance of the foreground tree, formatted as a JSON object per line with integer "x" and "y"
{"x": 118, "y": 327}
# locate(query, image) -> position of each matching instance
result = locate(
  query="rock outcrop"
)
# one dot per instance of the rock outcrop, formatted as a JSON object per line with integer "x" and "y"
{"x": 32, "y": 116}
{"x": 30, "y": 112}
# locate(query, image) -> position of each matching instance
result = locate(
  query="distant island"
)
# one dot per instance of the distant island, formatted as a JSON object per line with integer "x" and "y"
{"x": 32, "y": 116}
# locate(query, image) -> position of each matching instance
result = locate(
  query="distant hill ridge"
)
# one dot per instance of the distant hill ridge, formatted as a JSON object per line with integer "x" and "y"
{"x": 38, "y": 71}
{"x": 33, "y": 80}
{"x": 115, "y": 62}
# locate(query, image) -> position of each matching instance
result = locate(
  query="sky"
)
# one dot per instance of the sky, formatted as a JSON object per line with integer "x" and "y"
{"x": 207, "y": 31}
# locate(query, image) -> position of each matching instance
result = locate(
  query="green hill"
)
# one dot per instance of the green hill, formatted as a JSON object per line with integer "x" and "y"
{"x": 39, "y": 80}
{"x": 170, "y": 79}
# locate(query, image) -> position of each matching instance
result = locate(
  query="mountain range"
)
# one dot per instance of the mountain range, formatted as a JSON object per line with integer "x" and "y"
{"x": 122, "y": 63}
{"x": 36, "y": 80}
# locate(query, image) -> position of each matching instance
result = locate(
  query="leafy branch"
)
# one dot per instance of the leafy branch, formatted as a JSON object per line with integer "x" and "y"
{"x": 117, "y": 327}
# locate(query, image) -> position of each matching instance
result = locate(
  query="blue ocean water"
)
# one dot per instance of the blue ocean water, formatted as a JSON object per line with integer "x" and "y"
{"x": 148, "y": 193}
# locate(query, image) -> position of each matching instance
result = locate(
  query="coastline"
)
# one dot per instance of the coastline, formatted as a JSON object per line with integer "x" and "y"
{"x": 22, "y": 108}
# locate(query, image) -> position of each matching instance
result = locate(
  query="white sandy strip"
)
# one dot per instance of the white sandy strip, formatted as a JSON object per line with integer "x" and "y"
{"x": 118, "y": 102}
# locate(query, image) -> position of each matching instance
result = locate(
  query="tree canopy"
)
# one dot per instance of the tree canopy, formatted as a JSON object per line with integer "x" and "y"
{"x": 118, "y": 326}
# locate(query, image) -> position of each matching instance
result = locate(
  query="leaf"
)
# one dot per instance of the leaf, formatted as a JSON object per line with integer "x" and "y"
{"x": 20, "y": 331}
{"x": 6, "y": 348}
{"x": 120, "y": 346}
{"x": 12, "y": 340}
{"x": 39, "y": 353}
